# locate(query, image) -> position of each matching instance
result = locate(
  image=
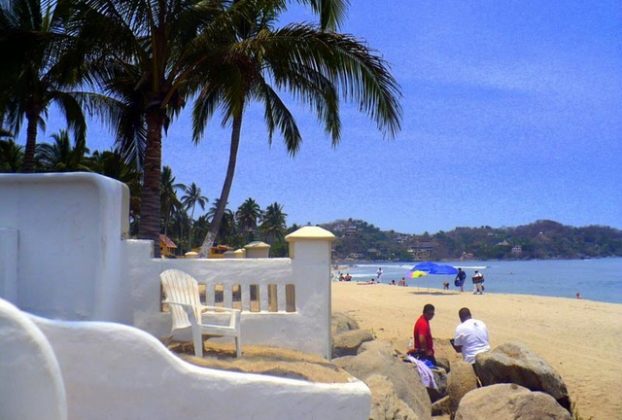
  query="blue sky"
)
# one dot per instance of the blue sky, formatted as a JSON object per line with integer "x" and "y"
{"x": 512, "y": 113}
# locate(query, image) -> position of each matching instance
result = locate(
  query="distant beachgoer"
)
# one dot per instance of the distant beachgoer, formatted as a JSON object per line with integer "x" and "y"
{"x": 393, "y": 282}
{"x": 424, "y": 345}
{"x": 379, "y": 274}
{"x": 471, "y": 336}
{"x": 403, "y": 282}
{"x": 371, "y": 281}
{"x": 348, "y": 277}
{"x": 578, "y": 295}
{"x": 445, "y": 285}
{"x": 460, "y": 278}
{"x": 478, "y": 279}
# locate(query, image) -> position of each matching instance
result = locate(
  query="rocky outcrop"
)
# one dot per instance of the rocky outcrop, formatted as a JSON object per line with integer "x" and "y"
{"x": 515, "y": 363}
{"x": 385, "y": 404}
{"x": 348, "y": 343}
{"x": 509, "y": 402}
{"x": 340, "y": 323}
{"x": 461, "y": 380}
{"x": 378, "y": 357}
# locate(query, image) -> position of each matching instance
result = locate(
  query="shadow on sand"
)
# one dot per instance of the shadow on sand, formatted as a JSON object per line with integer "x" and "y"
{"x": 431, "y": 292}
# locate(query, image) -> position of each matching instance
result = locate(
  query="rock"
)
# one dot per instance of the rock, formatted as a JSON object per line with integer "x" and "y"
{"x": 460, "y": 381}
{"x": 378, "y": 357}
{"x": 509, "y": 402}
{"x": 340, "y": 323}
{"x": 385, "y": 405}
{"x": 444, "y": 363}
{"x": 348, "y": 343}
{"x": 515, "y": 363}
{"x": 442, "y": 406}
{"x": 440, "y": 378}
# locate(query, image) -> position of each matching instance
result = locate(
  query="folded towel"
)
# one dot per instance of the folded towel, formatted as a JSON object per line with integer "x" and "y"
{"x": 427, "y": 377}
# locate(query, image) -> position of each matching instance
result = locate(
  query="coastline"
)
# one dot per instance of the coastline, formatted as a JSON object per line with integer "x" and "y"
{"x": 578, "y": 337}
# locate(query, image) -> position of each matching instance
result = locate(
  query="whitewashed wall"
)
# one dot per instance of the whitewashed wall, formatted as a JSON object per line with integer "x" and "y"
{"x": 69, "y": 252}
{"x": 63, "y": 254}
{"x": 31, "y": 384}
{"x": 113, "y": 371}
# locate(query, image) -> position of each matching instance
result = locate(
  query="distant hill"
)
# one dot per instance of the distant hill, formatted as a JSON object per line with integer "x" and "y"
{"x": 543, "y": 239}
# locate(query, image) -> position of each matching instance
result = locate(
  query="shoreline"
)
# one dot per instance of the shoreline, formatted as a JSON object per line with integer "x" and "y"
{"x": 578, "y": 337}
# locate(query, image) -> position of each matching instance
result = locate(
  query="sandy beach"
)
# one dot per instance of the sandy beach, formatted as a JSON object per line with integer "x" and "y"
{"x": 579, "y": 338}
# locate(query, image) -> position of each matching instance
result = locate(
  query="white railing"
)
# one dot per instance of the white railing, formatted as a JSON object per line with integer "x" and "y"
{"x": 285, "y": 302}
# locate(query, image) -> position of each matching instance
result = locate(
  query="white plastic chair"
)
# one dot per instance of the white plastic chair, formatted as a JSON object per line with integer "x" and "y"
{"x": 182, "y": 295}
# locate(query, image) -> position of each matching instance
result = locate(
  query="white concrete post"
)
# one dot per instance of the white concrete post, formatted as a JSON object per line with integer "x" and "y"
{"x": 8, "y": 264}
{"x": 257, "y": 249}
{"x": 310, "y": 251}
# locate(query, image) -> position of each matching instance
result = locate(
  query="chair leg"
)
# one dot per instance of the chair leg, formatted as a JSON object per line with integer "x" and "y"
{"x": 197, "y": 340}
{"x": 238, "y": 347}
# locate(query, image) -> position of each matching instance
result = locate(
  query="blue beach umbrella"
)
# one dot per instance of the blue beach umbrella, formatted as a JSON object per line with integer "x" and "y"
{"x": 433, "y": 268}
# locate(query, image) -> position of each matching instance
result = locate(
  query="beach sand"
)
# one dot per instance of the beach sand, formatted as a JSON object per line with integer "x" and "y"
{"x": 581, "y": 339}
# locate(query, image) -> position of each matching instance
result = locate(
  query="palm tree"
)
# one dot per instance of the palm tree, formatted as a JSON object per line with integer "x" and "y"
{"x": 317, "y": 66}
{"x": 38, "y": 68}
{"x": 160, "y": 46}
{"x": 247, "y": 215}
{"x": 168, "y": 196}
{"x": 141, "y": 57}
{"x": 225, "y": 230}
{"x": 273, "y": 224}
{"x": 192, "y": 196}
{"x": 113, "y": 165}
{"x": 11, "y": 156}
{"x": 61, "y": 156}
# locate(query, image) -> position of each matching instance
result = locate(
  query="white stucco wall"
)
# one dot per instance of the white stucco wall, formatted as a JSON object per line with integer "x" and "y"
{"x": 8, "y": 263}
{"x": 31, "y": 384}
{"x": 70, "y": 254}
{"x": 113, "y": 371}
{"x": 63, "y": 255}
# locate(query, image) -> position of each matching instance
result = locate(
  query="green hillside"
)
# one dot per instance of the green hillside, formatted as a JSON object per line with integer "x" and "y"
{"x": 543, "y": 239}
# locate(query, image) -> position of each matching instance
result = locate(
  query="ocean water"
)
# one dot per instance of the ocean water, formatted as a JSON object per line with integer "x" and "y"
{"x": 595, "y": 279}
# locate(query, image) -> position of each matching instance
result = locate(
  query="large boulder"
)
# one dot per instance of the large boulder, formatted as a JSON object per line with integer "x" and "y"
{"x": 515, "y": 363}
{"x": 385, "y": 404}
{"x": 340, "y": 323}
{"x": 461, "y": 380}
{"x": 348, "y": 343}
{"x": 509, "y": 402}
{"x": 378, "y": 357}
{"x": 442, "y": 406}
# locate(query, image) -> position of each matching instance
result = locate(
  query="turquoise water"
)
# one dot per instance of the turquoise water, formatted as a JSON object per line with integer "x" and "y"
{"x": 597, "y": 279}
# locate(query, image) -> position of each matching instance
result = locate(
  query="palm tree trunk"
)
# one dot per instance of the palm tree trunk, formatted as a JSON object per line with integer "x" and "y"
{"x": 31, "y": 141}
{"x": 191, "y": 224}
{"x": 226, "y": 188}
{"x": 149, "y": 227}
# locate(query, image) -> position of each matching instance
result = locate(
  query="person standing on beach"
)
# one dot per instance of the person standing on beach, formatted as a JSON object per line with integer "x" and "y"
{"x": 424, "y": 345}
{"x": 478, "y": 280}
{"x": 379, "y": 274}
{"x": 460, "y": 278}
{"x": 471, "y": 336}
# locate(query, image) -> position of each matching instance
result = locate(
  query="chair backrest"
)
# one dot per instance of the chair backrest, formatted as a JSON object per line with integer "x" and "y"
{"x": 181, "y": 287}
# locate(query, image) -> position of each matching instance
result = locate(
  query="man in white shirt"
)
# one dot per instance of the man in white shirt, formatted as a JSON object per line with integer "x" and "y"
{"x": 471, "y": 336}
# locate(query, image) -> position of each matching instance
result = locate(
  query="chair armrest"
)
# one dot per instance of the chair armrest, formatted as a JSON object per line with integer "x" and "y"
{"x": 234, "y": 320}
{"x": 189, "y": 309}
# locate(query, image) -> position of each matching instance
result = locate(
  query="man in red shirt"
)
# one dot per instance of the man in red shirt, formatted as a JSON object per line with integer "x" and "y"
{"x": 424, "y": 346}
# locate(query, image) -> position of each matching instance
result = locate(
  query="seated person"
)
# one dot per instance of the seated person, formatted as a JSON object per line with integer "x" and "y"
{"x": 471, "y": 336}
{"x": 424, "y": 345}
